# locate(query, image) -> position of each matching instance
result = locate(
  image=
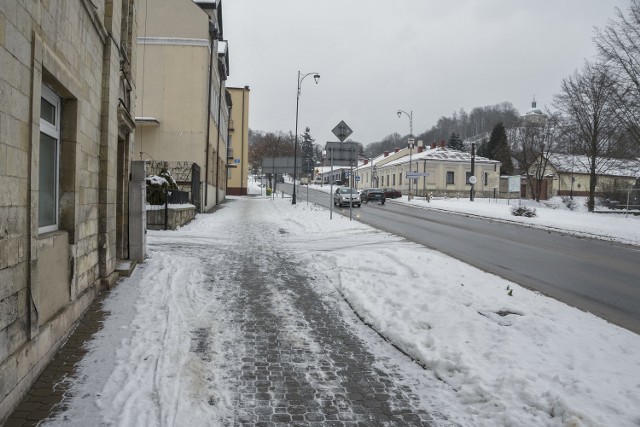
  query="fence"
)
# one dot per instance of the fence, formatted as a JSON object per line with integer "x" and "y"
{"x": 627, "y": 201}
{"x": 161, "y": 196}
{"x": 158, "y": 211}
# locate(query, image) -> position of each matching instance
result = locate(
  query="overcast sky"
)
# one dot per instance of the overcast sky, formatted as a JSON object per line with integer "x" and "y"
{"x": 375, "y": 57}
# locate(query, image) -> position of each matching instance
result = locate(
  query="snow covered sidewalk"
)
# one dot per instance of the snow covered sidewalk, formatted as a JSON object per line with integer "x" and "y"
{"x": 487, "y": 352}
{"x": 224, "y": 325}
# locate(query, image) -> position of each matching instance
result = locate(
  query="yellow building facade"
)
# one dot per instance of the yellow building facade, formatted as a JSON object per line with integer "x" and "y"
{"x": 238, "y": 155}
{"x": 182, "y": 111}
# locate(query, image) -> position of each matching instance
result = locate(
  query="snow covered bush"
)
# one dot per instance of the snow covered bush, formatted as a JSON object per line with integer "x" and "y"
{"x": 156, "y": 186}
{"x": 570, "y": 203}
{"x": 523, "y": 211}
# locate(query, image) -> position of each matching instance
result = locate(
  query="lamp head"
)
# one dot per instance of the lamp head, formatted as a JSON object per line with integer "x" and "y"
{"x": 399, "y": 113}
{"x": 316, "y": 77}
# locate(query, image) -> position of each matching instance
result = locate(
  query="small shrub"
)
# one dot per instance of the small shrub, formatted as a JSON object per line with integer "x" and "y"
{"x": 157, "y": 185}
{"x": 523, "y": 211}
{"x": 570, "y": 203}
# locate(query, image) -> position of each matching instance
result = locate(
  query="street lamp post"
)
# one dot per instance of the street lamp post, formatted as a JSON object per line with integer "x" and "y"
{"x": 410, "y": 142}
{"x": 316, "y": 77}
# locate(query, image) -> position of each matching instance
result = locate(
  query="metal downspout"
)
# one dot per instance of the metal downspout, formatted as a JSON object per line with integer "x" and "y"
{"x": 243, "y": 166}
{"x": 218, "y": 142}
{"x": 208, "y": 131}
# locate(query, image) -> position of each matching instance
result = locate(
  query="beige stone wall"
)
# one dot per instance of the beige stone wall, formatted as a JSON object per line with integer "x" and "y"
{"x": 176, "y": 217}
{"x": 47, "y": 280}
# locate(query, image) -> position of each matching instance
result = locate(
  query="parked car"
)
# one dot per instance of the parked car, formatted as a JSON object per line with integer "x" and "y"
{"x": 304, "y": 181}
{"x": 392, "y": 193}
{"x": 373, "y": 195}
{"x": 345, "y": 196}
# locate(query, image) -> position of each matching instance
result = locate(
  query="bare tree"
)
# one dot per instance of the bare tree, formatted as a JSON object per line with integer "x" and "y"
{"x": 388, "y": 143}
{"x": 619, "y": 45}
{"x": 269, "y": 145}
{"x": 531, "y": 143}
{"x": 588, "y": 101}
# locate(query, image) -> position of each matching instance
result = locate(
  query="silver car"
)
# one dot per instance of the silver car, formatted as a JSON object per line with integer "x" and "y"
{"x": 345, "y": 196}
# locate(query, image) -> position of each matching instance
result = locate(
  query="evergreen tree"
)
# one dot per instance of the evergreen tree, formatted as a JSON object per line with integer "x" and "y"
{"x": 455, "y": 142}
{"x": 481, "y": 149}
{"x": 307, "y": 153}
{"x": 498, "y": 149}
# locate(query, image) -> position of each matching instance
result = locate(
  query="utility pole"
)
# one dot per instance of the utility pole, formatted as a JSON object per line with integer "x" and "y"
{"x": 472, "y": 178}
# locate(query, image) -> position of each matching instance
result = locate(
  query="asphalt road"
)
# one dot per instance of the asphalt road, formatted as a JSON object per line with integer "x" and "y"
{"x": 593, "y": 275}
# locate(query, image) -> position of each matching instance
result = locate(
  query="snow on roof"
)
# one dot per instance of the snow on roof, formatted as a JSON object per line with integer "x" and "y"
{"x": 441, "y": 154}
{"x": 580, "y": 164}
{"x": 222, "y": 47}
{"x": 437, "y": 153}
{"x": 157, "y": 180}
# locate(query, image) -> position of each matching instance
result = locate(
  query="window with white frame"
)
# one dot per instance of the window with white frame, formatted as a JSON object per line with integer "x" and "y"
{"x": 48, "y": 171}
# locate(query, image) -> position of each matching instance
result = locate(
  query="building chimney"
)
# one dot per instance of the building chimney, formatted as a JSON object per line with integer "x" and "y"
{"x": 395, "y": 150}
{"x": 433, "y": 145}
{"x": 443, "y": 143}
{"x": 386, "y": 153}
{"x": 420, "y": 148}
{"x": 366, "y": 161}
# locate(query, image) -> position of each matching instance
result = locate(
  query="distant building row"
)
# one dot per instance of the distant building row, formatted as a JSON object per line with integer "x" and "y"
{"x": 446, "y": 172}
{"x": 442, "y": 172}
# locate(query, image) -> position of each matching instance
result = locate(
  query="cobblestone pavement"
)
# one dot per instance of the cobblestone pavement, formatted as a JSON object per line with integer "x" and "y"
{"x": 279, "y": 346}
{"x": 300, "y": 362}
{"x": 47, "y": 394}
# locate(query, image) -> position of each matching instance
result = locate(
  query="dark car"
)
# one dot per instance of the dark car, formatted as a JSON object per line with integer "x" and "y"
{"x": 373, "y": 195}
{"x": 392, "y": 193}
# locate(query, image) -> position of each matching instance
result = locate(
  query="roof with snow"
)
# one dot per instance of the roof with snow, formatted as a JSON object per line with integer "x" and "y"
{"x": 568, "y": 163}
{"x": 441, "y": 154}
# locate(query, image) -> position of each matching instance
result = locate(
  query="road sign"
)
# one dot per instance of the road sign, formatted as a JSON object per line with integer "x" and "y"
{"x": 472, "y": 180}
{"x": 514, "y": 183}
{"x": 278, "y": 164}
{"x": 342, "y": 131}
{"x": 417, "y": 174}
{"x": 342, "y": 153}
{"x": 357, "y": 178}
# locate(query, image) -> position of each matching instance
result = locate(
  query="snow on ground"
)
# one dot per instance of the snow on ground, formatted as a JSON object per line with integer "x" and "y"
{"x": 498, "y": 359}
{"x": 552, "y": 214}
{"x": 523, "y": 359}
